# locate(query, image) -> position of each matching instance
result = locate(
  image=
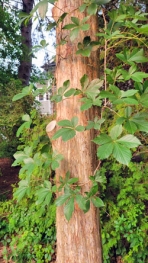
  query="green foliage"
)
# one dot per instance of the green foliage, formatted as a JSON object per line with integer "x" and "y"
{"x": 29, "y": 229}
{"x": 69, "y": 129}
{"x": 124, "y": 218}
{"x": 10, "y": 49}
{"x": 76, "y": 27}
{"x": 72, "y": 193}
{"x": 10, "y": 116}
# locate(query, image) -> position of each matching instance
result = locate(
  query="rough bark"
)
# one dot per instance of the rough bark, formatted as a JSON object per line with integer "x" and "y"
{"x": 78, "y": 241}
{"x": 25, "y": 66}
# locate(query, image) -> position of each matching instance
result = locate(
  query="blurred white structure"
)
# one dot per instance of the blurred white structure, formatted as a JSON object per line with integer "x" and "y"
{"x": 46, "y": 107}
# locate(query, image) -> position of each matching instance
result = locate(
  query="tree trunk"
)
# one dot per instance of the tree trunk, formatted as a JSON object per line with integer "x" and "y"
{"x": 24, "y": 69}
{"x": 79, "y": 240}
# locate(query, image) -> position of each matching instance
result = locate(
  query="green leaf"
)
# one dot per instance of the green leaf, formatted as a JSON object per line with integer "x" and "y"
{"x": 120, "y": 18}
{"x": 129, "y": 141}
{"x": 101, "y": 2}
{"x": 73, "y": 180}
{"x": 25, "y": 125}
{"x": 97, "y": 201}
{"x": 92, "y": 9}
{"x": 139, "y": 76}
{"x": 128, "y": 111}
{"x": 136, "y": 56}
{"x": 22, "y": 190}
{"x": 129, "y": 101}
{"x": 26, "y": 117}
{"x": 87, "y": 206}
{"x": 128, "y": 93}
{"x": 93, "y": 190}
{"x": 66, "y": 84}
{"x": 122, "y": 154}
{"x": 84, "y": 81}
{"x": 69, "y": 26}
{"x": 94, "y": 86}
{"x": 87, "y": 104}
{"x": 105, "y": 150}
{"x": 62, "y": 199}
{"x": 56, "y": 98}
{"x": 74, "y": 33}
{"x": 75, "y": 20}
{"x": 90, "y": 125}
{"x": 81, "y": 202}
{"x": 115, "y": 90}
{"x": 69, "y": 92}
{"x": 102, "y": 139}
{"x": 74, "y": 121}
{"x": 69, "y": 208}
{"x": 85, "y": 27}
{"x": 130, "y": 126}
{"x": 116, "y": 131}
{"x": 66, "y": 134}
{"x": 143, "y": 29}
{"x": 141, "y": 124}
{"x": 80, "y": 128}
{"x": 43, "y": 7}
{"x": 144, "y": 100}
{"x": 65, "y": 123}
{"x": 44, "y": 196}
{"x": 19, "y": 96}
{"x": 84, "y": 52}
{"x": 82, "y": 8}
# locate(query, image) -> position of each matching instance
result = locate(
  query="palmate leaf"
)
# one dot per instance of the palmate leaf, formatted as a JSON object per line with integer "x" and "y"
{"x": 119, "y": 148}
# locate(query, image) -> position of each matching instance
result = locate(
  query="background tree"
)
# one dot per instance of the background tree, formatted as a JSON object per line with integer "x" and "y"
{"x": 25, "y": 66}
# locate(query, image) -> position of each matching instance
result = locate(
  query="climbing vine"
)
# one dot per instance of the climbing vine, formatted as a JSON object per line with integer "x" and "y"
{"x": 121, "y": 96}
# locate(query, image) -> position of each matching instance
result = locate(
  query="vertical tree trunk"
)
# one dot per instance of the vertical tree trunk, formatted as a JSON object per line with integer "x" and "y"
{"x": 78, "y": 241}
{"x": 24, "y": 69}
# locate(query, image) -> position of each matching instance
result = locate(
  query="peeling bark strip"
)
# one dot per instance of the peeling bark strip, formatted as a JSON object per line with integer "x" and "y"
{"x": 78, "y": 241}
{"x": 24, "y": 70}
